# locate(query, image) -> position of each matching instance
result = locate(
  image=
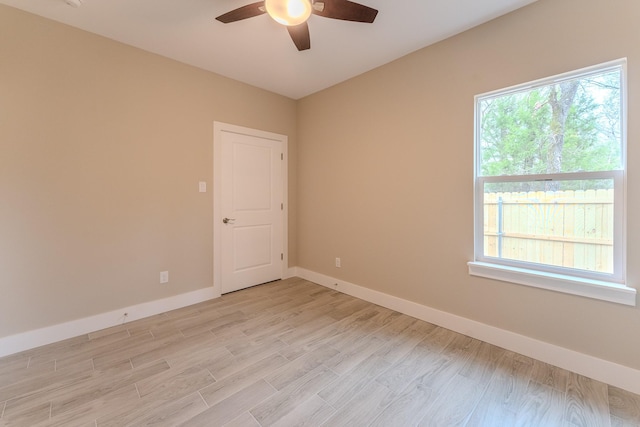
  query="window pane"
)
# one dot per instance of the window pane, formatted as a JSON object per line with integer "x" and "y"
{"x": 568, "y": 126}
{"x": 559, "y": 223}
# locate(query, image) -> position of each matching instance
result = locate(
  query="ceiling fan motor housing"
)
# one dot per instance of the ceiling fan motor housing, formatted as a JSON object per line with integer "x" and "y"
{"x": 289, "y": 12}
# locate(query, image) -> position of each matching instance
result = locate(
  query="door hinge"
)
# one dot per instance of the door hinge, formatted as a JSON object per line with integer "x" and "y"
{"x": 281, "y": 156}
{"x": 282, "y": 257}
{"x": 281, "y": 206}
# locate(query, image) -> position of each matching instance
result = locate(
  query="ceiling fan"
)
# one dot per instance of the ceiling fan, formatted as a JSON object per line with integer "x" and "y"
{"x": 294, "y": 14}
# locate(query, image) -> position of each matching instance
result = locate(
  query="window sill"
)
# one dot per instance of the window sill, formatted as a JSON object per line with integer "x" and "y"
{"x": 606, "y": 291}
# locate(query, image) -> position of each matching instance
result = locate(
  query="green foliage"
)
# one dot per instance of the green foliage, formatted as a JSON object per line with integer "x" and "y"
{"x": 516, "y": 129}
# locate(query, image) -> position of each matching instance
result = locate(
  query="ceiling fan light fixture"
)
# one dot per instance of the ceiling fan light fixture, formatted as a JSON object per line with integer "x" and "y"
{"x": 289, "y": 12}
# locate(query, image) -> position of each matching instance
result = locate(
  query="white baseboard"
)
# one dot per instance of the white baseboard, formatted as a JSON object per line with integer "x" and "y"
{"x": 31, "y": 339}
{"x": 599, "y": 369}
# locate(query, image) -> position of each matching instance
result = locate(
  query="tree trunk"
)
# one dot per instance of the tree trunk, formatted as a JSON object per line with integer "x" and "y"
{"x": 560, "y": 105}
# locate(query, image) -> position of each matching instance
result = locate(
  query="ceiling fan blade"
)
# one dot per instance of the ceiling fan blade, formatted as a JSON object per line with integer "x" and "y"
{"x": 347, "y": 11}
{"x": 300, "y": 36}
{"x": 244, "y": 12}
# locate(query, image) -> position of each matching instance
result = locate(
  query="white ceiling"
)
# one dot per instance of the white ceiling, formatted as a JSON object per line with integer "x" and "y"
{"x": 259, "y": 51}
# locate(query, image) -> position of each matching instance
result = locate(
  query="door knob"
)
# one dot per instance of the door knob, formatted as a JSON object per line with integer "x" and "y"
{"x": 227, "y": 220}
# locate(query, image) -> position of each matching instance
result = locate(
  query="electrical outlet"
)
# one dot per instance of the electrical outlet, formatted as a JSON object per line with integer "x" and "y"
{"x": 338, "y": 263}
{"x": 164, "y": 277}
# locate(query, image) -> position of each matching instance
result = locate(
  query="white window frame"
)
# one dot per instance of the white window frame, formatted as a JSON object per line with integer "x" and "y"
{"x": 604, "y": 286}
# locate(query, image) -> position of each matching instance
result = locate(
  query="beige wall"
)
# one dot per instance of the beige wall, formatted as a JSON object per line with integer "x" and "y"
{"x": 101, "y": 150}
{"x": 385, "y": 172}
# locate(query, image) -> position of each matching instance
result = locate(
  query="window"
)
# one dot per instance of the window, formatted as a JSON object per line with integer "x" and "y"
{"x": 549, "y": 184}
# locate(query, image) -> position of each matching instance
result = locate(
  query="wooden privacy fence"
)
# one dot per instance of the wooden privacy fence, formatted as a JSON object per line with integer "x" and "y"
{"x": 563, "y": 228}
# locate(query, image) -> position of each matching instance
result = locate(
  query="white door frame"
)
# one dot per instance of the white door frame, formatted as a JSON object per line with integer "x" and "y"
{"x": 218, "y": 128}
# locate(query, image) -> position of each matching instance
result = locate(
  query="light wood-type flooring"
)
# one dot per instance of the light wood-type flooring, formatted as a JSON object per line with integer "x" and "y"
{"x": 293, "y": 353}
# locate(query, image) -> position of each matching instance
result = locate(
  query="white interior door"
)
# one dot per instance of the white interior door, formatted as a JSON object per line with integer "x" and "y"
{"x": 250, "y": 214}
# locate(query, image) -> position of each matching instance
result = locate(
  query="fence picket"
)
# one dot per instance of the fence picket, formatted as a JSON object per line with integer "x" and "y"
{"x": 572, "y": 228}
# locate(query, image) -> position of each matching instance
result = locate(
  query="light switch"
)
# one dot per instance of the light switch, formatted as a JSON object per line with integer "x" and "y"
{"x": 202, "y": 186}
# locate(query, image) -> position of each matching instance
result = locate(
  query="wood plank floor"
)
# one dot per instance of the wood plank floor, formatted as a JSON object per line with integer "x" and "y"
{"x": 294, "y": 353}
